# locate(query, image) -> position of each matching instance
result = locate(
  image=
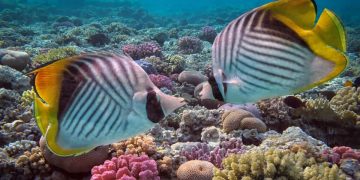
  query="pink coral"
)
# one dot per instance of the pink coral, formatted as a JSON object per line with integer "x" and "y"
{"x": 143, "y": 50}
{"x": 339, "y": 153}
{"x": 126, "y": 167}
{"x": 161, "y": 81}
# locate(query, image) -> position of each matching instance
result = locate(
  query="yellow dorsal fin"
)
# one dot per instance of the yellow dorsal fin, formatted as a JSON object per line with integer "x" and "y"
{"x": 330, "y": 29}
{"x": 302, "y": 12}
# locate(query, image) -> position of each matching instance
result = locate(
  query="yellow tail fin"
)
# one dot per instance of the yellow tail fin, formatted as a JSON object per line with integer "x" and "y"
{"x": 330, "y": 29}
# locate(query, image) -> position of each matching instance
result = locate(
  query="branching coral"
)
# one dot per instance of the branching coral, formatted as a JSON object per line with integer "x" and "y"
{"x": 169, "y": 65}
{"x": 202, "y": 151}
{"x": 342, "y": 109}
{"x": 126, "y": 167}
{"x": 33, "y": 162}
{"x": 337, "y": 154}
{"x": 27, "y": 98}
{"x": 19, "y": 147}
{"x": 256, "y": 164}
{"x": 136, "y": 145}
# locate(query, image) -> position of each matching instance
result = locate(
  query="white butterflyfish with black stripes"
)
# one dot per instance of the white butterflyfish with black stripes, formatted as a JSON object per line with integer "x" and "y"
{"x": 274, "y": 50}
{"x": 90, "y": 100}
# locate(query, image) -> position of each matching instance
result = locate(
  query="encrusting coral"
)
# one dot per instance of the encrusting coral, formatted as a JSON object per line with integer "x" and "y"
{"x": 276, "y": 164}
{"x": 195, "y": 170}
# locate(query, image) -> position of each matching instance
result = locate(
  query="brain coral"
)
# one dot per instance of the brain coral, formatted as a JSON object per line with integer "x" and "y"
{"x": 241, "y": 119}
{"x": 195, "y": 170}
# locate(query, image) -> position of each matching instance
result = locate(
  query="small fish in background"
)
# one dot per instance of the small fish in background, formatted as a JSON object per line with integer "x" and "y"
{"x": 95, "y": 99}
{"x": 276, "y": 50}
{"x": 355, "y": 83}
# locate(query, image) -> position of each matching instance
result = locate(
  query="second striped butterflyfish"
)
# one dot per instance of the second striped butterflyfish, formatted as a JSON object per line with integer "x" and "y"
{"x": 90, "y": 100}
{"x": 274, "y": 50}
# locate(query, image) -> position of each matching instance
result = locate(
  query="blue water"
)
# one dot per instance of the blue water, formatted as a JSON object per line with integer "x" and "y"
{"x": 348, "y": 10}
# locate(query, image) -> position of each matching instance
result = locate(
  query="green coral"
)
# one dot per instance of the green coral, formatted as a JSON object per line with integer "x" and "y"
{"x": 170, "y": 65}
{"x": 275, "y": 164}
{"x": 55, "y": 54}
{"x": 27, "y": 98}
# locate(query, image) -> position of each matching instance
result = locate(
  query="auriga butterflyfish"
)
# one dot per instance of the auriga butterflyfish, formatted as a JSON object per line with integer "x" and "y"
{"x": 96, "y": 99}
{"x": 276, "y": 49}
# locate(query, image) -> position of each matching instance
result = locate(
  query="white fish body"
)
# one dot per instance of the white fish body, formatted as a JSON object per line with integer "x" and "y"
{"x": 271, "y": 51}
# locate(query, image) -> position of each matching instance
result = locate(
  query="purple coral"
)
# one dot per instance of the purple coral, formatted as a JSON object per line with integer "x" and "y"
{"x": 208, "y": 33}
{"x": 161, "y": 81}
{"x": 143, "y": 50}
{"x": 126, "y": 167}
{"x": 202, "y": 151}
{"x": 190, "y": 45}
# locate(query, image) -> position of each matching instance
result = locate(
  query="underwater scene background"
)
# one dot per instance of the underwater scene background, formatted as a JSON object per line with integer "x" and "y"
{"x": 311, "y": 135}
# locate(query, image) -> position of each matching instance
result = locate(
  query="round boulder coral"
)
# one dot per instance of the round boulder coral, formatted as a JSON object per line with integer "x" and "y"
{"x": 232, "y": 119}
{"x": 253, "y": 123}
{"x": 195, "y": 170}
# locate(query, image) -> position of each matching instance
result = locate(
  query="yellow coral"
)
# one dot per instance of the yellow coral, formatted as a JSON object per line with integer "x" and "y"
{"x": 55, "y": 54}
{"x": 341, "y": 109}
{"x": 273, "y": 163}
{"x": 33, "y": 162}
{"x": 27, "y": 98}
{"x": 136, "y": 145}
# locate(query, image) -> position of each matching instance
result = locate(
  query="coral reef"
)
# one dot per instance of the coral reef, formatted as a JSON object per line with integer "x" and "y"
{"x": 129, "y": 167}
